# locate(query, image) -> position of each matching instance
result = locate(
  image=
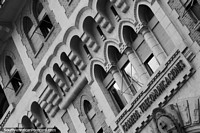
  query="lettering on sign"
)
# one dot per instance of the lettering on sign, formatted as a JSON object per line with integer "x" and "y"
{"x": 154, "y": 94}
{"x": 168, "y": 80}
{"x": 164, "y": 83}
{"x": 149, "y": 85}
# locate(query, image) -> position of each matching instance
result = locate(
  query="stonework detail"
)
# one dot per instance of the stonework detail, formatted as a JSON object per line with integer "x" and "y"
{"x": 100, "y": 66}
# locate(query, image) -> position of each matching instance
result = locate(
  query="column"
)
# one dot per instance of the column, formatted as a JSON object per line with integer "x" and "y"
{"x": 137, "y": 65}
{"x": 153, "y": 44}
{"x": 122, "y": 84}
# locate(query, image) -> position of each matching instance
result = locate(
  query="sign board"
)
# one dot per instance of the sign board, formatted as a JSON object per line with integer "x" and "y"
{"x": 163, "y": 86}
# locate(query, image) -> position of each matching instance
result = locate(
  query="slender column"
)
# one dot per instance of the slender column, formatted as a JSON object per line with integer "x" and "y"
{"x": 122, "y": 84}
{"x": 137, "y": 65}
{"x": 153, "y": 44}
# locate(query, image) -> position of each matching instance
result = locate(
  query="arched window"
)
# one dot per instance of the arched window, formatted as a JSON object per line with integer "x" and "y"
{"x": 80, "y": 49}
{"x": 156, "y": 44}
{"x": 29, "y": 30}
{"x": 87, "y": 106}
{"x": 40, "y": 114}
{"x": 27, "y": 25}
{"x": 44, "y": 25}
{"x": 134, "y": 67}
{"x": 38, "y": 28}
{"x": 27, "y": 123}
{"x": 120, "y": 71}
{"x": 15, "y": 79}
{"x": 88, "y": 109}
{"x": 94, "y": 32}
{"x": 109, "y": 87}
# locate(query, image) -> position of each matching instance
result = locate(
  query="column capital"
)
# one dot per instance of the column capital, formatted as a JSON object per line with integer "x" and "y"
{"x": 144, "y": 29}
{"x": 128, "y": 51}
{"x": 111, "y": 67}
{"x": 123, "y": 47}
{"x": 140, "y": 27}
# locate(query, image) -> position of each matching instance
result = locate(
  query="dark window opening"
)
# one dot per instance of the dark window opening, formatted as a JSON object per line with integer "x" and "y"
{"x": 87, "y": 106}
{"x": 145, "y": 14}
{"x": 89, "y": 111}
{"x": 16, "y": 81}
{"x": 129, "y": 35}
{"x": 151, "y": 64}
{"x": 45, "y": 26}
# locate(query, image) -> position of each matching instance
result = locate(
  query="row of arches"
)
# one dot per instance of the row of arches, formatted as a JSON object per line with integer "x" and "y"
{"x": 64, "y": 75}
{"x": 82, "y": 51}
{"x": 129, "y": 69}
{"x": 124, "y": 71}
{"x": 128, "y": 77}
{"x": 39, "y": 115}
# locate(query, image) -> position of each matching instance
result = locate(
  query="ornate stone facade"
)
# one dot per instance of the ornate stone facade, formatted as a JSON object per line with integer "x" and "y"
{"x": 100, "y": 66}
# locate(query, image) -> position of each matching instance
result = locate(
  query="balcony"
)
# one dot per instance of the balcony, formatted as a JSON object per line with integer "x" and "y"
{"x": 9, "y": 11}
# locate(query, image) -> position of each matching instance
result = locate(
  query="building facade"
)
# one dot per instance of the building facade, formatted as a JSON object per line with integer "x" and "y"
{"x": 100, "y": 66}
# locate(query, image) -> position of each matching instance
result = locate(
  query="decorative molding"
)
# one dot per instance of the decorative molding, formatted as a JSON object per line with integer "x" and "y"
{"x": 138, "y": 27}
{"x": 123, "y": 47}
{"x": 108, "y": 67}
